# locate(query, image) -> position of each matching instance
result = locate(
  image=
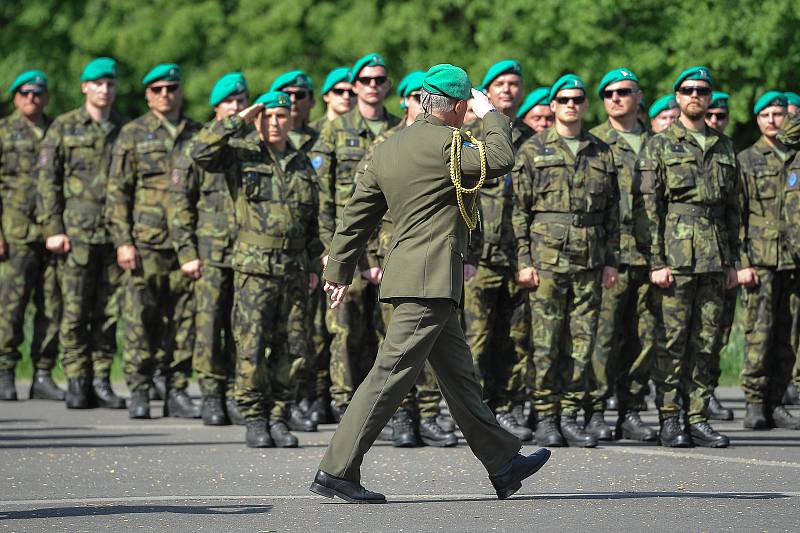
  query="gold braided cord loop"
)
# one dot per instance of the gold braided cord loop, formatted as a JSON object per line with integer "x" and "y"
{"x": 471, "y": 217}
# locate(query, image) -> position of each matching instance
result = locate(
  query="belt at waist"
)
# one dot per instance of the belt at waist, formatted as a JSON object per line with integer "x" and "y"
{"x": 271, "y": 241}
{"x": 693, "y": 210}
{"x": 579, "y": 220}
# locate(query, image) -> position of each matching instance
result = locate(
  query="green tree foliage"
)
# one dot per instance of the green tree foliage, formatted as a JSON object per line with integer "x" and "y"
{"x": 749, "y": 45}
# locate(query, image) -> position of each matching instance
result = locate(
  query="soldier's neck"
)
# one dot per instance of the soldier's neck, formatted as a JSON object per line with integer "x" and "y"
{"x": 35, "y": 119}
{"x": 773, "y": 142}
{"x": 627, "y": 124}
{"x": 278, "y": 148}
{"x": 370, "y": 111}
{"x": 331, "y": 114}
{"x": 98, "y": 114}
{"x": 697, "y": 125}
{"x": 173, "y": 116}
{"x": 569, "y": 130}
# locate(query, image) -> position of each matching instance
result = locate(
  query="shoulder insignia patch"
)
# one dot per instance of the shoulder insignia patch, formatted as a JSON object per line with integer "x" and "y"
{"x": 316, "y": 162}
{"x": 792, "y": 180}
{"x": 470, "y": 145}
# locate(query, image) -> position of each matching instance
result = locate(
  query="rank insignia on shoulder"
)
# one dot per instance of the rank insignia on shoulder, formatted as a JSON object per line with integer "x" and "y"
{"x": 316, "y": 161}
{"x": 792, "y": 180}
{"x": 470, "y": 145}
{"x": 547, "y": 150}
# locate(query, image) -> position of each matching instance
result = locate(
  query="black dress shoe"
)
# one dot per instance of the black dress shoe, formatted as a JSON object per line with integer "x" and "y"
{"x": 139, "y": 405}
{"x": 256, "y": 435}
{"x": 281, "y": 436}
{"x": 704, "y": 435}
{"x": 318, "y": 411}
{"x": 350, "y": 491}
{"x": 782, "y": 418}
{"x": 755, "y": 416}
{"x": 509, "y": 479}
{"x": 508, "y": 422}
{"x": 8, "y": 389}
{"x": 79, "y": 395}
{"x": 212, "y": 412}
{"x": 44, "y": 388}
{"x": 792, "y": 395}
{"x": 574, "y": 434}
{"x": 672, "y": 434}
{"x": 433, "y": 435}
{"x": 299, "y": 421}
{"x": 404, "y": 434}
{"x": 548, "y": 434}
{"x": 337, "y": 411}
{"x": 632, "y": 427}
{"x": 598, "y": 427}
{"x": 446, "y": 422}
{"x": 717, "y": 411}
{"x": 180, "y": 405}
{"x": 236, "y": 417}
{"x": 105, "y": 396}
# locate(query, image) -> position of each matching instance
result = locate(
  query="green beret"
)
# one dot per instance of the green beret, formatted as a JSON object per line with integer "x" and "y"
{"x": 274, "y": 99}
{"x": 768, "y": 99}
{"x": 567, "y": 81}
{"x": 693, "y": 73}
{"x": 448, "y": 80}
{"x": 164, "y": 71}
{"x": 538, "y": 96}
{"x": 410, "y": 83}
{"x": 506, "y": 66}
{"x": 662, "y": 104}
{"x": 719, "y": 99}
{"x": 101, "y": 67}
{"x": 613, "y": 76}
{"x": 296, "y": 78}
{"x": 29, "y": 77}
{"x": 228, "y": 84}
{"x": 369, "y": 60}
{"x": 792, "y": 98}
{"x": 335, "y": 76}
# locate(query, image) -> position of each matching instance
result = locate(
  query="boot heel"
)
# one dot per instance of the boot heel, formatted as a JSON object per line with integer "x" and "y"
{"x": 509, "y": 491}
{"x": 316, "y": 488}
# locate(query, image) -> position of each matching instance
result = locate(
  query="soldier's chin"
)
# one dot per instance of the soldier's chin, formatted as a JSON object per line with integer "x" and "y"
{"x": 695, "y": 114}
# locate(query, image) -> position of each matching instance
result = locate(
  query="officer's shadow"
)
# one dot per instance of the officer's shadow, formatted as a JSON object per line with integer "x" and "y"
{"x": 108, "y": 510}
{"x": 607, "y": 496}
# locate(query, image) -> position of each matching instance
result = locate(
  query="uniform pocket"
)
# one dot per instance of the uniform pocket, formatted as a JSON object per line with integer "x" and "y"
{"x": 149, "y": 224}
{"x": 680, "y": 234}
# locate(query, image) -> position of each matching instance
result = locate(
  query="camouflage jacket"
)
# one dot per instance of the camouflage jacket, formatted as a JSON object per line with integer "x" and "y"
{"x": 73, "y": 175}
{"x": 625, "y": 159}
{"x": 318, "y": 124}
{"x": 19, "y": 149}
{"x": 767, "y": 190}
{"x": 566, "y": 208}
{"x": 276, "y": 201}
{"x": 341, "y": 145}
{"x": 790, "y": 131}
{"x": 308, "y": 138}
{"x": 201, "y": 217}
{"x": 686, "y": 202}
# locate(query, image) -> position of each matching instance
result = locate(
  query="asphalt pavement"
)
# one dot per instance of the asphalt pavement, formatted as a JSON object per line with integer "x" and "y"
{"x": 97, "y": 470}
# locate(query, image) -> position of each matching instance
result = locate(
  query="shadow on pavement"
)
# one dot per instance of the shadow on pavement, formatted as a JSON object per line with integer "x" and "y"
{"x": 18, "y": 420}
{"x": 78, "y": 436}
{"x": 609, "y": 496}
{"x": 90, "y": 510}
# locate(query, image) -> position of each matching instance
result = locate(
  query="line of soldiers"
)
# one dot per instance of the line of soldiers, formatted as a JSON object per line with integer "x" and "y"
{"x": 605, "y": 259}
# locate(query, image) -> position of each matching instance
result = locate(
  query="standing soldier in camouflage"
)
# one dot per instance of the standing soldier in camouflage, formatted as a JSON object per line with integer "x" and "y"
{"x": 157, "y": 303}
{"x": 202, "y": 226}
{"x": 663, "y": 112}
{"x": 27, "y": 270}
{"x": 566, "y": 222}
{"x": 495, "y": 310}
{"x": 768, "y": 269}
{"x": 337, "y": 93}
{"x": 535, "y": 110}
{"x": 72, "y": 181}
{"x": 625, "y": 344}
{"x": 298, "y": 85}
{"x": 341, "y": 145}
{"x": 686, "y": 197}
{"x": 277, "y": 239}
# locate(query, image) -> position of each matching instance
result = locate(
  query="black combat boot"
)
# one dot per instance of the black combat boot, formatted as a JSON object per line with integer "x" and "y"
{"x": 519, "y": 413}
{"x": 404, "y": 435}
{"x": 446, "y": 422}
{"x": 8, "y": 389}
{"x": 574, "y": 433}
{"x": 755, "y": 416}
{"x": 782, "y": 418}
{"x": 232, "y": 408}
{"x": 44, "y": 388}
{"x": 318, "y": 411}
{"x": 548, "y": 434}
{"x": 139, "y": 405}
{"x": 703, "y": 434}
{"x": 792, "y": 395}
{"x": 281, "y": 436}
{"x": 299, "y": 421}
{"x": 104, "y": 394}
{"x": 598, "y": 427}
{"x": 256, "y": 435}
{"x": 717, "y": 411}
{"x": 159, "y": 389}
{"x": 180, "y": 405}
{"x": 508, "y": 422}
{"x": 631, "y": 427}
{"x": 672, "y": 434}
{"x": 337, "y": 411}
{"x": 212, "y": 412}
{"x": 433, "y": 435}
{"x": 79, "y": 395}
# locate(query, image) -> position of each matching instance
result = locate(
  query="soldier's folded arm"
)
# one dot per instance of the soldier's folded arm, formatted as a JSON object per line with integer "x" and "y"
{"x": 210, "y": 150}
{"x": 789, "y": 133}
{"x": 49, "y": 183}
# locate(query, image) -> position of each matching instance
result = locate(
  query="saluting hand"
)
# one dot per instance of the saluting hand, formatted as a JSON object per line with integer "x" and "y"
{"x": 337, "y": 292}
{"x": 480, "y": 104}
{"x": 251, "y": 113}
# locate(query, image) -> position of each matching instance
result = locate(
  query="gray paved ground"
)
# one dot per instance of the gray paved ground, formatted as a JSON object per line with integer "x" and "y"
{"x": 96, "y": 470}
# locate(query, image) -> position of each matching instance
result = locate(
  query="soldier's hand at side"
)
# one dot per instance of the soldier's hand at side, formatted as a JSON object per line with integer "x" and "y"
{"x": 372, "y": 274}
{"x": 58, "y": 244}
{"x": 3, "y": 248}
{"x": 662, "y": 277}
{"x": 249, "y": 114}
{"x": 610, "y": 277}
{"x": 480, "y": 104}
{"x": 527, "y": 277}
{"x": 748, "y": 277}
{"x": 127, "y": 257}
{"x": 731, "y": 279}
{"x": 337, "y": 292}
{"x": 313, "y": 281}
{"x": 192, "y": 269}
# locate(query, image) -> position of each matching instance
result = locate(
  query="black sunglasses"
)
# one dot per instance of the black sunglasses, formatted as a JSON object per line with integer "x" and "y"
{"x": 625, "y": 91}
{"x": 171, "y": 88}
{"x": 414, "y": 96}
{"x": 719, "y": 116}
{"x": 688, "y": 90}
{"x": 564, "y": 100}
{"x": 298, "y": 95}
{"x": 342, "y": 92}
{"x": 366, "y": 80}
{"x": 34, "y": 92}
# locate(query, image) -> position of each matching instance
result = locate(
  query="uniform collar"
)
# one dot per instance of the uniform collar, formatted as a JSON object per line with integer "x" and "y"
{"x": 19, "y": 122}
{"x": 153, "y": 123}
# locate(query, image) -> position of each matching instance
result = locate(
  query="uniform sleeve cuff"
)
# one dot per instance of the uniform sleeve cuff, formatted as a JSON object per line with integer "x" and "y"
{"x": 339, "y": 272}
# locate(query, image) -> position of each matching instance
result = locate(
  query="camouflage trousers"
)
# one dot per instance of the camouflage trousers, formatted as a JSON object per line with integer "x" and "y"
{"x": 316, "y": 382}
{"x": 90, "y": 282}
{"x": 769, "y": 321}
{"x": 564, "y": 311}
{"x": 271, "y": 342}
{"x": 726, "y": 325}
{"x": 159, "y": 324}
{"x": 29, "y": 274}
{"x": 692, "y": 309}
{"x": 354, "y": 339}
{"x": 496, "y": 318}
{"x": 625, "y": 345}
{"x": 214, "y": 357}
{"x": 424, "y": 398}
